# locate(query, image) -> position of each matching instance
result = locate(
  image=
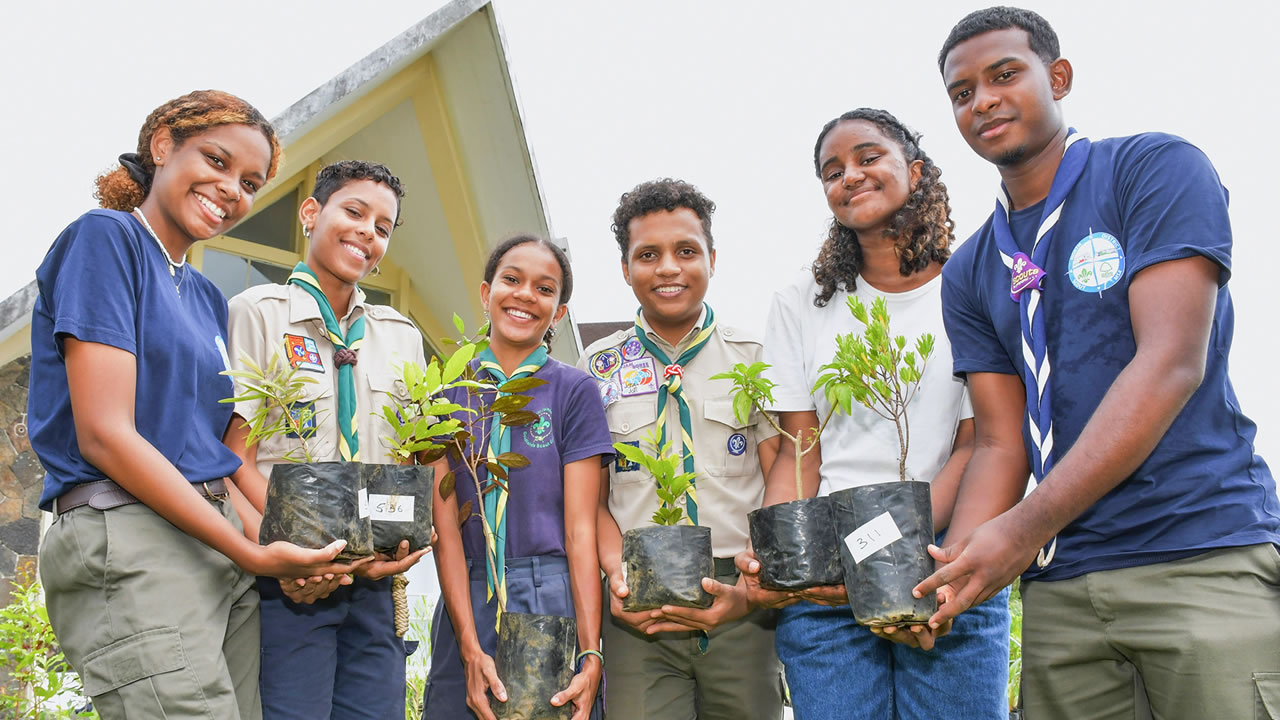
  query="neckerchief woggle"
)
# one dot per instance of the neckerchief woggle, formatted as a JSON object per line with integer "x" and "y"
{"x": 671, "y": 386}
{"x": 495, "y": 496}
{"x": 1027, "y": 274}
{"x": 348, "y": 442}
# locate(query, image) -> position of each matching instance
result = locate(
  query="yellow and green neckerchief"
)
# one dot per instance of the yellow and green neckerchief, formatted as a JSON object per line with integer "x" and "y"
{"x": 348, "y": 442}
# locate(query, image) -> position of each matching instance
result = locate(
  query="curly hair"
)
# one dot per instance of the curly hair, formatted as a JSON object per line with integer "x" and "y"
{"x": 663, "y": 194}
{"x": 125, "y": 187}
{"x": 335, "y": 176}
{"x": 921, "y": 228}
{"x": 566, "y": 272}
{"x": 1040, "y": 35}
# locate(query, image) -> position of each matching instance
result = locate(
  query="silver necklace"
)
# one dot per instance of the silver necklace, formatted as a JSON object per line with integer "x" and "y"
{"x": 173, "y": 266}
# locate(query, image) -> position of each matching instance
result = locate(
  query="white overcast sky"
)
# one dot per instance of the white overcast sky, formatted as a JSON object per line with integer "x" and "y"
{"x": 728, "y": 95}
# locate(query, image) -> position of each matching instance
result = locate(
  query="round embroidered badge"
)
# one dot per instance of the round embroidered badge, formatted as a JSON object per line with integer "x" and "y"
{"x": 1097, "y": 263}
{"x": 737, "y": 444}
{"x": 604, "y": 363}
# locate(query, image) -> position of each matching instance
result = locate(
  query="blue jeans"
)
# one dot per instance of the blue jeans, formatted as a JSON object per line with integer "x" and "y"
{"x": 838, "y": 669}
{"x": 337, "y": 658}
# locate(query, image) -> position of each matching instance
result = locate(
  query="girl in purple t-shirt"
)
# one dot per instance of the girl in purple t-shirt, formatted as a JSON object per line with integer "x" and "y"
{"x": 551, "y": 567}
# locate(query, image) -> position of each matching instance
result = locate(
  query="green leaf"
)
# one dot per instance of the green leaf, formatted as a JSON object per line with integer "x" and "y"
{"x": 520, "y": 385}
{"x": 461, "y": 326}
{"x": 457, "y": 362}
{"x": 519, "y": 418}
{"x": 446, "y": 484}
{"x": 742, "y": 407}
{"x": 509, "y": 403}
{"x": 496, "y": 470}
{"x": 432, "y": 454}
{"x": 513, "y": 460}
{"x": 464, "y": 513}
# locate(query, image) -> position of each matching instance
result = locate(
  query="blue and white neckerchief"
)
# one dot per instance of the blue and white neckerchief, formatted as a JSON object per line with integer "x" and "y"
{"x": 1027, "y": 273}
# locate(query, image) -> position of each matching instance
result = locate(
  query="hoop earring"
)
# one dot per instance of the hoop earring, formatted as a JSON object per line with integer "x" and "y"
{"x": 376, "y": 271}
{"x": 306, "y": 232}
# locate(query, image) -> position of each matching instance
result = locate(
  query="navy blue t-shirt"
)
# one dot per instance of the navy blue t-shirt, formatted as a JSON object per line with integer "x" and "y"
{"x": 105, "y": 280}
{"x": 1142, "y": 200}
{"x": 571, "y": 426}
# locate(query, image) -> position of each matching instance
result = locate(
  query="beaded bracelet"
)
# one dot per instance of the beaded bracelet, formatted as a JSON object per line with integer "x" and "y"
{"x": 577, "y": 662}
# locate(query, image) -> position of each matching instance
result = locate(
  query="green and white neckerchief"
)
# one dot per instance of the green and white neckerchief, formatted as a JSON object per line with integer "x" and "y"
{"x": 495, "y": 495}
{"x": 346, "y": 345}
{"x": 672, "y": 386}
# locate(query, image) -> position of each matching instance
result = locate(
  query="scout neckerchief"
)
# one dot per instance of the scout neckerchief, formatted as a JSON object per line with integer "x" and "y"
{"x": 344, "y": 358}
{"x": 495, "y": 498}
{"x": 671, "y": 385}
{"x": 1027, "y": 274}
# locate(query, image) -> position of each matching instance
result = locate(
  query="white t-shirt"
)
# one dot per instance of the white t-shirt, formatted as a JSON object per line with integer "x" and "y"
{"x": 863, "y": 448}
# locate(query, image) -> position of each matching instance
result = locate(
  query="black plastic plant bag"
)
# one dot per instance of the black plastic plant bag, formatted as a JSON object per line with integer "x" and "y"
{"x": 795, "y": 543}
{"x": 313, "y": 504}
{"x": 534, "y": 661}
{"x": 399, "y": 504}
{"x": 880, "y": 579}
{"x": 664, "y": 565}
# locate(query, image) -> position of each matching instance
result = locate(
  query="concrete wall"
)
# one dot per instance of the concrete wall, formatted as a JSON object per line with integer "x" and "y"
{"x": 21, "y": 477}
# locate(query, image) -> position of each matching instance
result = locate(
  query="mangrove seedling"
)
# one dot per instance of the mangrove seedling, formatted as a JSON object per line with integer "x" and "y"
{"x": 751, "y": 388}
{"x": 671, "y": 485}
{"x": 876, "y": 369}
{"x": 419, "y": 432}
{"x": 278, "y": 387}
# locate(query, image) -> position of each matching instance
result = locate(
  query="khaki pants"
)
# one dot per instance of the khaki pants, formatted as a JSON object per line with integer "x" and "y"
{"x": 1193, "y": 639}
{"x": 158, "y": 624}
{"x": 665, "y": 677}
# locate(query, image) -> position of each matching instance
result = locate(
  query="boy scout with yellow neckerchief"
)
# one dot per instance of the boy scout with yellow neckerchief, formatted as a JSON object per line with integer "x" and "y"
{"x": 657, "y": 667}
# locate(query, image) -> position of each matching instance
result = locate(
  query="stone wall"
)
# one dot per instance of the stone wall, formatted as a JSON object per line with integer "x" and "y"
{"x": 21, "y": 477}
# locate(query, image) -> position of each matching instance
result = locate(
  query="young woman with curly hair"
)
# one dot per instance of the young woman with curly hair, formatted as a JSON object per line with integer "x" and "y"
{"x": 148, "y": 569}
{"x": 890, "y": 234}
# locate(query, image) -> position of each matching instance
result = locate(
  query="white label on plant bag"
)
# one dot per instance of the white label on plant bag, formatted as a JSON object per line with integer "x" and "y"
{"x": 364, "y": 502}
{"x": 875, "y": 535}
{"x": 391, "y": 508}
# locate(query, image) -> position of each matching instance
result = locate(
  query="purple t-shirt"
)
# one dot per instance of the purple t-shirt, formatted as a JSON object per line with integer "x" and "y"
{"x": 571, "y": 426}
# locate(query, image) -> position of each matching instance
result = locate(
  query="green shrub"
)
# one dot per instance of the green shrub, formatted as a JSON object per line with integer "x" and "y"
{"x": 1015, "y": 644}
{"x": 35, "y": 672}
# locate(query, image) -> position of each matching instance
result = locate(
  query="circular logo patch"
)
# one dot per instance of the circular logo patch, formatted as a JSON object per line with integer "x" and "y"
{"x": 1097, "y": 263}
{"x": 737, "y": 444}
{"x": 538, "y": 434}
{"x": 605, "y": 363}
{"x": 632, "y": 349}
{"x": 610, "y": 392}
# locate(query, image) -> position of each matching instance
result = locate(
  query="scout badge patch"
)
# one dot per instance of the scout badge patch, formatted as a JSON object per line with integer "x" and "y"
{"x": 638, "y": 377}
{"x": 303, "y": 353}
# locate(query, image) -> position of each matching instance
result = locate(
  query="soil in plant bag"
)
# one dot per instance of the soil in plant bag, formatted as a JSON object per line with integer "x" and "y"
{"x": 884, "y": 530}
{"x": 313, "y": 504}
{"x": 796, "y": 544}
{"x": 534, "y": 662}
{"x": 664, "y": 565}
{"x": 399, "y": 504}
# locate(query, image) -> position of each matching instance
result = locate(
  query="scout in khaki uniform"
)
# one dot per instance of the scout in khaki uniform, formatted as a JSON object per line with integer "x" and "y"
{"x": 660, "y": 664}
{"x": 334, "y": 656}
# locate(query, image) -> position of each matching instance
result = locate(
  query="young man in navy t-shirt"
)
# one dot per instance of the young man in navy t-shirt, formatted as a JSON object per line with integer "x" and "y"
{"x": 1091, "y": 317}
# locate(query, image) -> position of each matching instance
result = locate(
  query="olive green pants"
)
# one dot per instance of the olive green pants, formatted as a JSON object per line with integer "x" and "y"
{"x": 1191, "y": 639}
{"x": 665, "y": 677}
{"x": 158, "y": 624}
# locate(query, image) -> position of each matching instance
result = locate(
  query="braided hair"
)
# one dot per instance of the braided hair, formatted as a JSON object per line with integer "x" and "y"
{"x": 921, "y": 229}
{"x": 125, "y": 187}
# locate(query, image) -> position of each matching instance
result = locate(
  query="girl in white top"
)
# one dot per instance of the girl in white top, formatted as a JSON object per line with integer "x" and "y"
{"x": 890, "y": 234}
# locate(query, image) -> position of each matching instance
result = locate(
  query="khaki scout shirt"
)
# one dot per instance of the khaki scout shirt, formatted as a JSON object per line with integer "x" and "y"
{"x": 284, "y": 319}
{"x": 729, "y": 482}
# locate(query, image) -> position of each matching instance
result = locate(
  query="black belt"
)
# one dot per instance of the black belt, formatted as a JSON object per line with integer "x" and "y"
{"x": 106, "y": 494}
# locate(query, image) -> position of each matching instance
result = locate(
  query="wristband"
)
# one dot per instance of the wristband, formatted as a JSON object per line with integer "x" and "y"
{"x": 577, "y": 662}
